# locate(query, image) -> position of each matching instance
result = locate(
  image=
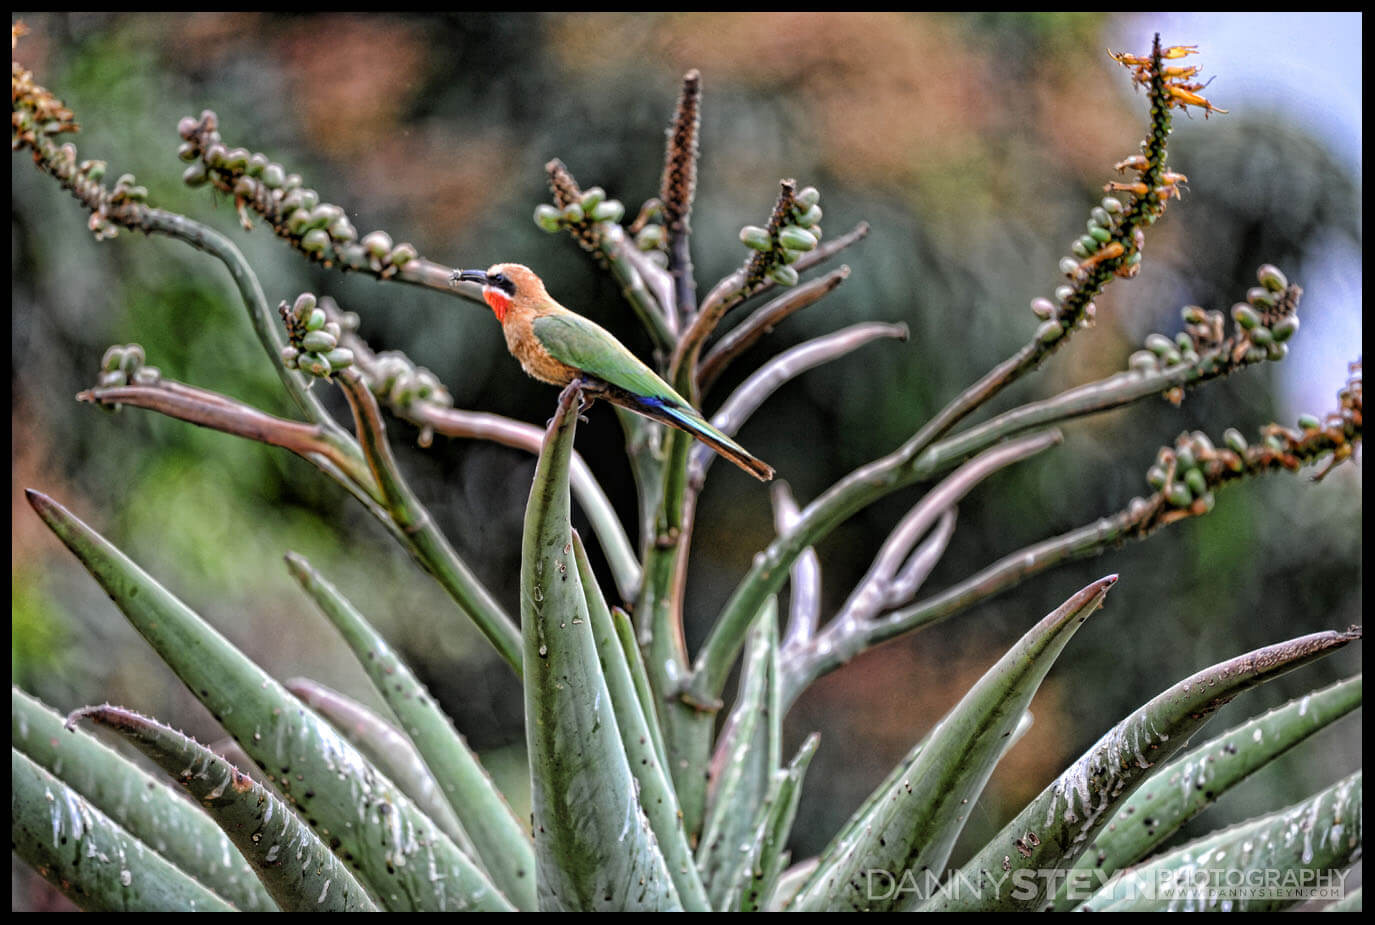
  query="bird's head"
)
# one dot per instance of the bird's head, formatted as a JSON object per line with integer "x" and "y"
{"x": 504, "y": 284}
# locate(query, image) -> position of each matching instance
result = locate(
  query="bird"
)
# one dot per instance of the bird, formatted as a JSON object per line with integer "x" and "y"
{"x": 558, "y": 346}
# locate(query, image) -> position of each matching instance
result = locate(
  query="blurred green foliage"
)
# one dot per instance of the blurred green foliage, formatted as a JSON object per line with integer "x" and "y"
{"x": 974, "y": 145}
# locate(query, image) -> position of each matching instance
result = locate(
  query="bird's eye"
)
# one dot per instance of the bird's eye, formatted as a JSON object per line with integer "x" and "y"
{"x": 498, "y": 278}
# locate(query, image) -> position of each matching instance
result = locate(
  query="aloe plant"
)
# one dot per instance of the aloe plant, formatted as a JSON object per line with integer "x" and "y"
{"x": 640, "y": 801}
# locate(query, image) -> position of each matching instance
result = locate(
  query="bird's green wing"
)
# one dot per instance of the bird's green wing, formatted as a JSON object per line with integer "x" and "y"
{"x": 586, "y": 345}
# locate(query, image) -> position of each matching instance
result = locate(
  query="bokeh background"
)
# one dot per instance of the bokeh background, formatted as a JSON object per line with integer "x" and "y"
{"x": 975, "y": 146}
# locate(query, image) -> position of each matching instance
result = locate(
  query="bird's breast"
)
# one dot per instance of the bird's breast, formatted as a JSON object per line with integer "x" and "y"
{"x": 534, "y": 359}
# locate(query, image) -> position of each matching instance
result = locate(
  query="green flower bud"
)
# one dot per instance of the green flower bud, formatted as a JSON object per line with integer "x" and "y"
{"x": 612, "y": 210}
{"x": 1043, "y": 308}
{"x": 811, "y": 216}
{"x": 195, "y": 175}
{"x": 1234, "y": 440}
{"x": 757, "y": 238}
{"x": 807, "y": 197}
{"x": 292, "y": 181}
{"x": 784, "y": 275}
{"x": 377, "y": 243}
{"x": 788, "y": 257}
{"x": 1184, "y": 459}
{"x": 1202, "y": 444}
{"x": 650, "y": 238}
{"x": 1049, "y": 332}
{"x": 1245, "y": 315}
{"x": 187, "y": 151}
{"x": 1285, "y": 328}
{"x": 1259, "y": 295}
{"x": 1179, "y": 495}
{"x": 1159, "y": 344}
{"x": 236, "y": 159}
{"x": 342, "y": 230}
{"x": 1309, "y": 422}
{"x": 1183, "y": 341}
{"x": 1276, "y": 352}
{"x": 340, "y": 358}
{"x": 214, "y": 154}
{"x": 1262, "y": 337}
{"x": 591, "y": 198}
{"x": 352, "y": 255}
{"x": 1272, "y": 278}
{"x": 1100, "y": 216}
{"x": 257, "y": 163}
{"x": 187, "y": 127}
{"x": 1112, "y": 205}
{"x": 298, "y": 222}
{"x": 94, "y": 170}
{"x": 274, "y": 176}
{"x": 147, "y": 375}
{"x": 1063, "y": 293}
{"x": 1088, "y": 243}
{"x": 132, "y": 360}
{"x": 796, "y": 239}
{"x": 333, "y": 329}
{"x": 1192, "y": 314}
{"x": 1172, "y": 357}
{"x": 289, "y": 355}
{"x": 324, "y": 214}
{"x": 245, "y": 187}
{"x": 316, "y": 320}
{"x": 1156, "y": 477}
{"x": 303, "y": 306}
{"x": 309, "y": 199}
{"x": 1101, "y": 235}
{"x": 1143, "y": 361}
{"x": 572, "y": 213}
{"x": 112, "y": 359}
{"x": 315, "y": 364}
{"x": 319, "y": 342}
{"x": 547, "y": 217}
{"x": 1196, "y": 481}
{"x": 112, "y": 379}
{"x": 1080, "y": 249}
{"x": 402, "y": 254}
{"x": 315, "y": 241}
{"x": 1069, "y": 266}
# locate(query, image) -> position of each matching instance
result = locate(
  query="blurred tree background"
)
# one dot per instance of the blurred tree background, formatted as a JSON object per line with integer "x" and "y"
{"x": 975, "y": 146}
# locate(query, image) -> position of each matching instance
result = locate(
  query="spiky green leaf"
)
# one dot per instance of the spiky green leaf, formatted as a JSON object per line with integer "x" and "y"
{"x": 503, "y": 844}
{"x": 402, "y": 857}
{"x": 297, "y": 869}
{"x": 81, "y": 851}
{"x": 143, "y": 805}
{"x": 594, "y": 848}
{"x": 1054, "y": 829}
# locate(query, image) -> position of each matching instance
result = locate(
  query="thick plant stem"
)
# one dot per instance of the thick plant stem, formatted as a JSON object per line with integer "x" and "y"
{"x": 423, "y": 537}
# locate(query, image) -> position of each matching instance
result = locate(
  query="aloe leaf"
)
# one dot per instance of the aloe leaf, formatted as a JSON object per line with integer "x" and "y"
{"x": 297, "y": 869}
{"x": 404, "y": 860}
{"x": 1258, "y": 866}
{"x": 85, "y": 854}
{"x": 922, "y": 813}
{"x": 741, "y": 768}
{"x": 639, "y": 675}
{"x": 657, "y": 798}
{"x": 594, "y": 848}
{"x": 1189, "y": 784}
{"x": 388, "y": 749}
{"x": 1054, "y": 829}
{"x": 759, "y": 869}
{"x": 503, "y": 845}
{"x": 144, "y": 806}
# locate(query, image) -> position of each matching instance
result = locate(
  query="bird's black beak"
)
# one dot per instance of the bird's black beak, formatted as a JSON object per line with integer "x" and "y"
{"x": 471, "y": 276}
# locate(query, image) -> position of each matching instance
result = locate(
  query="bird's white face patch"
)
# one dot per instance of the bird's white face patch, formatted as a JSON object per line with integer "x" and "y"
{"x": 498, "y": 300}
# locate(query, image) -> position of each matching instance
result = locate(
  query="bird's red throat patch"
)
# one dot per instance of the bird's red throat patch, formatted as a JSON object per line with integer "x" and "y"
{"x": 500, "y": 302}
